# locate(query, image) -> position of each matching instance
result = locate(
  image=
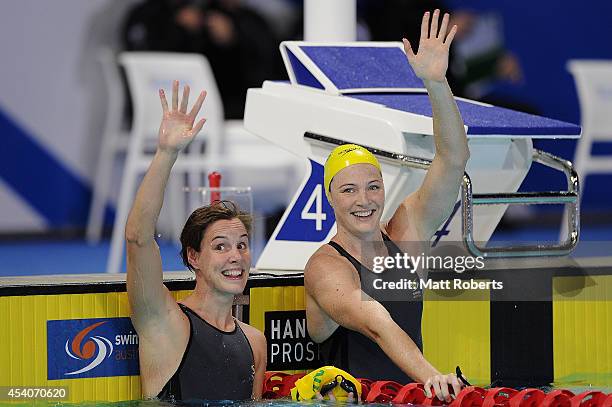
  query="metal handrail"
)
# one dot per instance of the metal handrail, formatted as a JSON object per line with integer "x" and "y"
{"x": 468, "y": 200}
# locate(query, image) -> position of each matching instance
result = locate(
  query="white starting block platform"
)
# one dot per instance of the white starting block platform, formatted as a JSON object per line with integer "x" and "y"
{"x": 366, "y": 93}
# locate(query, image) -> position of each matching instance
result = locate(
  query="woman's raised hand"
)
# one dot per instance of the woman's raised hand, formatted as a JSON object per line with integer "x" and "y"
{"x": 431, "y": 60}
{"x": 177, "y": 128}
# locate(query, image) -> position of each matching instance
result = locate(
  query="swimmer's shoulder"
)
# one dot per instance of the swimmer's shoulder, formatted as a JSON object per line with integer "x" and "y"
{"x": 251, "y": 331}
{"x": 402, "y": 227}
{"x": 324, "y": 257}
{"x": 326, "y": 250}
{"x": 256, "y": 339}
{"x": 327, "y": 263}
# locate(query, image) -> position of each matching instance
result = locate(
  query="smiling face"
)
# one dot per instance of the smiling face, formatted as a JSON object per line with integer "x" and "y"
{"x": 224, "y": 259}
{"x": 357, "y": 195}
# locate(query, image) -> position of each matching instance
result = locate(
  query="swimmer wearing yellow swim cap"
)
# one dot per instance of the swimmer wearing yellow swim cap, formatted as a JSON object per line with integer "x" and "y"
{"x": 337, "y": 277}
{"x": 354, "y": 175}
{"x": 344, "y": 156}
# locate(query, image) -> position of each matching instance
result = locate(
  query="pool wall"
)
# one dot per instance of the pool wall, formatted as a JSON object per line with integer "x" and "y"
{"x": 74, "y": 331}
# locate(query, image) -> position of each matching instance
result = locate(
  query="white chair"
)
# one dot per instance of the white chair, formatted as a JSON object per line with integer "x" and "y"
{"x": 114, "y": 142}
{"x": 146, "y": 73}
{"x": 594, "y": 85}
{"x": 243, "y": 158}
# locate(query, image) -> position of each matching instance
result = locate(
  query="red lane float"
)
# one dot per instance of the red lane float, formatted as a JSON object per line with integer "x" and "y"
{"x": 278, "y": 384}
{"x": 383, "y": 391}
{"x": 289, "y": 382}
{"x": 413, "y": 393}
{"x": 272, "y": 384}
{"x": 433, "y": 401}
{"x": 558, "y": 398}
{"x": 470, "y": 396}
{"x": 365, "y": 387}
{"x": 498, "y": 397}
{"x": 588, "y": 399}
{"x": 527, "y": 398}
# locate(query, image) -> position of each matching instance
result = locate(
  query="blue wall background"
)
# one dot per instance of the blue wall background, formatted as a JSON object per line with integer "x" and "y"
{"x": 545, "y": 34}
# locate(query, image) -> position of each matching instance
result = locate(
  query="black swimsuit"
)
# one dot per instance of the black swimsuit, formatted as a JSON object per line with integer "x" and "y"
{"x": 357, "y": 354}
{"x": 216, "y": 365}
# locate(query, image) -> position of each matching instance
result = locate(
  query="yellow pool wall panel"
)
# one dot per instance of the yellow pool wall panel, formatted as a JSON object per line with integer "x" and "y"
{"x": 456, "y": 331}
{"x": 582, "y": 332}
{"x": 23, "y": 339}
{"x": 280, "y": 298}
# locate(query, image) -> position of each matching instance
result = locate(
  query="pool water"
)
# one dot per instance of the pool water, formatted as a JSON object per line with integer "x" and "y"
{"x": 576, "y": 387}
{"x": 157, "y": 403}
{"x": 227, "y": 403}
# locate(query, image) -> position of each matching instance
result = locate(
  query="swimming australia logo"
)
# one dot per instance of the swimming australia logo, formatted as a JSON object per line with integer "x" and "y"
{"x": 102, "y": 347}
{"x": 86, "y": 347}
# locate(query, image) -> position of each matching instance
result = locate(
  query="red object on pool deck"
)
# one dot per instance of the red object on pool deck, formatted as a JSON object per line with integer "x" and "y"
{"x": 214, "y": 181}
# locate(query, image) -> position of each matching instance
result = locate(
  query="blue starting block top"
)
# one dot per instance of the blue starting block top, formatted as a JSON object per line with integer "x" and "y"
{"x": 380, "y": 73}
{"x": 480, "y": 119}
{"x": 351, "y": 67}
{"x": 378, "y": 67}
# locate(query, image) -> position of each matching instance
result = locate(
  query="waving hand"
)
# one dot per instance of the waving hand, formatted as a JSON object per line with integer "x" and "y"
{"x": 431, "y": 60}
{"x": 177, "y": 128}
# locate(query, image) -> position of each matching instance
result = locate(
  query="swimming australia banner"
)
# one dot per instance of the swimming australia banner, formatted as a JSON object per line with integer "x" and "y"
{"x": 101, "y": 347}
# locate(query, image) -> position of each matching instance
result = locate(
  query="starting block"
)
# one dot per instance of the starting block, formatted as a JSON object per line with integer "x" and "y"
{"x": 366, "y": 93}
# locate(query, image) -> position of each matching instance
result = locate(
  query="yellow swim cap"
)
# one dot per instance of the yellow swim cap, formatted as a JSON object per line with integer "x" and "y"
{"x": 335, "y": 380}
{"x": 344, "y": 156}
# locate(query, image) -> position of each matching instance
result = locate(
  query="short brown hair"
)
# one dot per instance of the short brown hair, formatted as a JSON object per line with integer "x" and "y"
{"x": 202, "y": 218}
